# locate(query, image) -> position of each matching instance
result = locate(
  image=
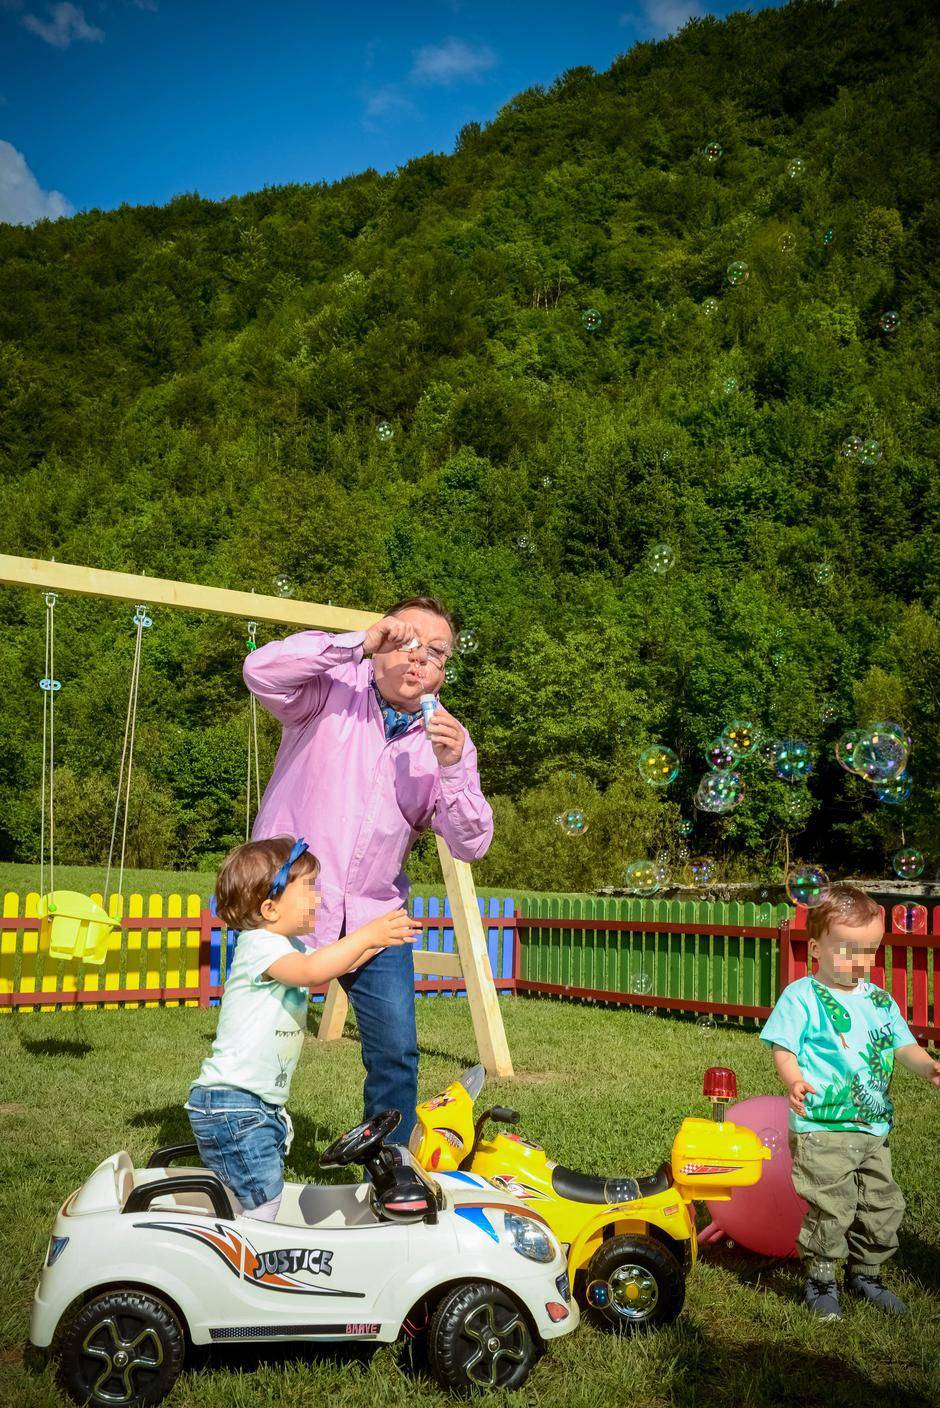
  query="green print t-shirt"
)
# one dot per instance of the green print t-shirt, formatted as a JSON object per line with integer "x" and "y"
{"x": 844, "y": 1043}
{"x": 262, "y": 1024}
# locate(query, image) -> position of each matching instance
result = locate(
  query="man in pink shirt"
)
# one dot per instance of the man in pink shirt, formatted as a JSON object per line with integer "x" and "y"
{"x": 359, "y": 776}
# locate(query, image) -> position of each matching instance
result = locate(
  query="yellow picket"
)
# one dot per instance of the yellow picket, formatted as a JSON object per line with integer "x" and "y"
{"x": 191, "y": 948}
{"x": 135, "y": 910}
{"x": 29, "y": 949}
{"x": 111, "y": 968}
{"x": 174, "y": 909}
{"x": 154, "y": 946}
{"x": 8, "y": 945}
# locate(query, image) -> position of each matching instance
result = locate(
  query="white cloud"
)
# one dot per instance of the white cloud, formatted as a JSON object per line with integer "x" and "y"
{"x": 22, "y": 199}
{"x": 664, "y": 16}
{"x": 451, "y": 61}
{"x": 387, "y": 101}
{"x": 67, "y": 23}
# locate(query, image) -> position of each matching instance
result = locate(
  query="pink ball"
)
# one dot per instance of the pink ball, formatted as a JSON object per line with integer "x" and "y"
{"x": 766, "y": 1217}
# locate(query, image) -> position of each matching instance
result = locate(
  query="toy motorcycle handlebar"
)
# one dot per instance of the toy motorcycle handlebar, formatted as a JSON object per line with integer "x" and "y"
{"x": 501, "y": 1114}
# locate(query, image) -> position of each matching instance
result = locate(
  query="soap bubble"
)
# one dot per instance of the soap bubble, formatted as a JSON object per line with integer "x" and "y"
{"x": 661, "y": 558}
{"x": 845, "y": 748}
{"x": 888, "y": 322}
{"x": 712, "y": 151}
{"x": 880, "y": 753}
{"x": 730, "y": 385}
{"x": 718, "y": 792}
{"x": 808, "y": 885}
{"x": 598, "y": 1294}
{"x": 771, "y": 1139}
{"x": 871, "y": 452}
{"x": 792, "y": 761}
{"x": 719, "y": 754}
{"x": 574, "y": 823}
{"x": 909, "y": 919}
{"x": 895, "y": 792}
{"x": 741, "y": 737}
{"x": 796, "y": 167}
{"x": 665, "y": 457}
{"x": 738, "y": 273}
{"x": 642, "y": 984}
{"x": 384, "y": 430}
{"x": 709, "y": 306}
{"x": 706, "y": 1022}
{"x": 686, "y": 826}
{"x": 283, "y": 585}
{"x": 641, "y": 877}
{"x": 467, "y": 642}
{"x": 768, "y": 751}
{"x": 524, "y": 542}
{"x": 851, "y": 447}
{"x": 547, "y": 481}
{"x": 829, "y": 234}
{"x": 822, "y": 573}
{"x": 787, "y": 243}
{"x": 908, "y": 863}
{"x": 591, "y": 319}
{"x": 658, "y": 766}
{"x": 700, "y": 870}
{"x": 796, "y": 804}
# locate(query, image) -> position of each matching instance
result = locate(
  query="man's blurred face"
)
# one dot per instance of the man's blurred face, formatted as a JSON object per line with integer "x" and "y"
{"x": 404, "y": 675}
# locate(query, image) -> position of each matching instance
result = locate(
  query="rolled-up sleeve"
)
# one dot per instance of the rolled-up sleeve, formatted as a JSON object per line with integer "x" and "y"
{"x": 462, "y": 816}
{"x": 291, "y": 676}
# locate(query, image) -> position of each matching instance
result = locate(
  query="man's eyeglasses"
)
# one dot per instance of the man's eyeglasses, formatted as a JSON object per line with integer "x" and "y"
{"x": 437, "y": 652}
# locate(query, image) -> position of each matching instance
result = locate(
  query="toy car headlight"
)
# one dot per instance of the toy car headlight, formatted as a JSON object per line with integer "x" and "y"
{"x": 529, "y": 1238}
{"x": 57, "y": 1246}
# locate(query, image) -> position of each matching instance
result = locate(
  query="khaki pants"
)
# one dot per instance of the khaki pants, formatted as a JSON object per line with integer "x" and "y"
{"x": 855, "y": 1206}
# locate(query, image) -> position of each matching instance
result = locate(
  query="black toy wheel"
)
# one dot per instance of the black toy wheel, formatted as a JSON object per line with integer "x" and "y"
{"x": 480, "y": 1338}
{"x": 123, "y": 1348}
{"x": 632, "y": 1284}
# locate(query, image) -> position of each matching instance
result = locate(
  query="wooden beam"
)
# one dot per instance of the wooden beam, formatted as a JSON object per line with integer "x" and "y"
{"x": 187, "y": 596}
{"x": 475, "y": 964}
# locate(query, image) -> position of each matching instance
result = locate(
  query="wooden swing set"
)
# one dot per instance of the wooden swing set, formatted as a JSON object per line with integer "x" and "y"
{"x": 470, "y": 962}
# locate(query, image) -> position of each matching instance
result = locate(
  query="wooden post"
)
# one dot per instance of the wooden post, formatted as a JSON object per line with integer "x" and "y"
{"x": 475, "y": 964}
{"x": 190, "y": 596}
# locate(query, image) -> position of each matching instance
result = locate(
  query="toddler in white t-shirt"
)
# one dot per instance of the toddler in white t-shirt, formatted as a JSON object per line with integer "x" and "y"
{"x": 267, "y": 890}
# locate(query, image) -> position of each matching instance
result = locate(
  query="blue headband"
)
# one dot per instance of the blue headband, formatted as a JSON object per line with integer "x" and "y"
{"x": 279, "y": 883}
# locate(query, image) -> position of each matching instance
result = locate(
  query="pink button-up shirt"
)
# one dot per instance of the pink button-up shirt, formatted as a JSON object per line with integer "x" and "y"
{"x": 360, "y": 800}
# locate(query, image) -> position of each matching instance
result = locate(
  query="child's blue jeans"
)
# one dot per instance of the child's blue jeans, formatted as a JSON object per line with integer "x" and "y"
{"x": 242, "y": 1138}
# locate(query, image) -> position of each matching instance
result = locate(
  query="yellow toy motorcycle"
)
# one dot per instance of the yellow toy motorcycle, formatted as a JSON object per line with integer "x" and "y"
{"x": 629, "y": 1241}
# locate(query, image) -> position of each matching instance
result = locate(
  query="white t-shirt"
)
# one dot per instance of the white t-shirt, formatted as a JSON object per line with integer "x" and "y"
{"x": 262, "y": 1023}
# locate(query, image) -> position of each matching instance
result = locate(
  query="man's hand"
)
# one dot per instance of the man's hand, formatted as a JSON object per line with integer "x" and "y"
{"x": 447, "y": 737}
{"x": 390, "y": 930}
{"x": 391, "y": 633}
{"x": 797, "y": 1096}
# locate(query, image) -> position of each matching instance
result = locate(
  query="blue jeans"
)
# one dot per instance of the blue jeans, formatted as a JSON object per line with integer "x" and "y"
{"x": 242, "y": 1138}
{"x": 382, "y": 994}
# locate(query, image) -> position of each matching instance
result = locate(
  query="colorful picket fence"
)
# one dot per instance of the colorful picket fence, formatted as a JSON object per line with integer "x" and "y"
{"x": 696, "y": 956}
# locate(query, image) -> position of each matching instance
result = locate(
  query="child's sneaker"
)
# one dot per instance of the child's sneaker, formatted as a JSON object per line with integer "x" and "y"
{"x": 867, "y": 1287}
{"x": 822, "y": 1299}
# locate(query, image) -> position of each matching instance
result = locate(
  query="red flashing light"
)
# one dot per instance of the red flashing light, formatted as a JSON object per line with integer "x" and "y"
{"x": 721, "y": 1083}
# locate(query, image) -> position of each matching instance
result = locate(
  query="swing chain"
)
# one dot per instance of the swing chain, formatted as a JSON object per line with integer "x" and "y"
{"x": 251, "y": 642}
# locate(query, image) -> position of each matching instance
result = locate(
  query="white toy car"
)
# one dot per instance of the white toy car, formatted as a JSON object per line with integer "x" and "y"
{"x": 142, "y": 1259}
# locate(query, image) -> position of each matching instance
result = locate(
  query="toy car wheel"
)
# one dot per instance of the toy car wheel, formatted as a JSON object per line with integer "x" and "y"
{"x": 123, "y": 1348}
{"x": 633, "y": 1283}
{"x": 480, "y": 1338}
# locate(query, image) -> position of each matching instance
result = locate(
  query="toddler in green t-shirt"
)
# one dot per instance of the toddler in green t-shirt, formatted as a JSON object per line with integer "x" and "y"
{"x": 835, "y": 1037}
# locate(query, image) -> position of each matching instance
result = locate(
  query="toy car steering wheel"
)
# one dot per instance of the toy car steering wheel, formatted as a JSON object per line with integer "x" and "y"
{"x": 361, "y": 1143}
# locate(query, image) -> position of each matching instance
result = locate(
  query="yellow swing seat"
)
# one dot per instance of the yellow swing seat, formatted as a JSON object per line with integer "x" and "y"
{"x": 76, "y": 927}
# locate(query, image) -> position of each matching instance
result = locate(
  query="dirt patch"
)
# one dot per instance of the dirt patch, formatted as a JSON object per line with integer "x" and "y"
{"x": 12, "y": 1109}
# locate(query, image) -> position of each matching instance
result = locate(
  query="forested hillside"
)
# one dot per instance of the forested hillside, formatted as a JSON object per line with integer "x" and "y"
{"x": 504, "y": 376}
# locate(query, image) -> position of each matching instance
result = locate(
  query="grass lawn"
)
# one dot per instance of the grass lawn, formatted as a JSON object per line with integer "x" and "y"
{"x": 602, "y": 1089}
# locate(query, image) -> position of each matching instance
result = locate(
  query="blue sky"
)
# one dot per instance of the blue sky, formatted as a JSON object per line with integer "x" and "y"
{"x": 109, "y": 101}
